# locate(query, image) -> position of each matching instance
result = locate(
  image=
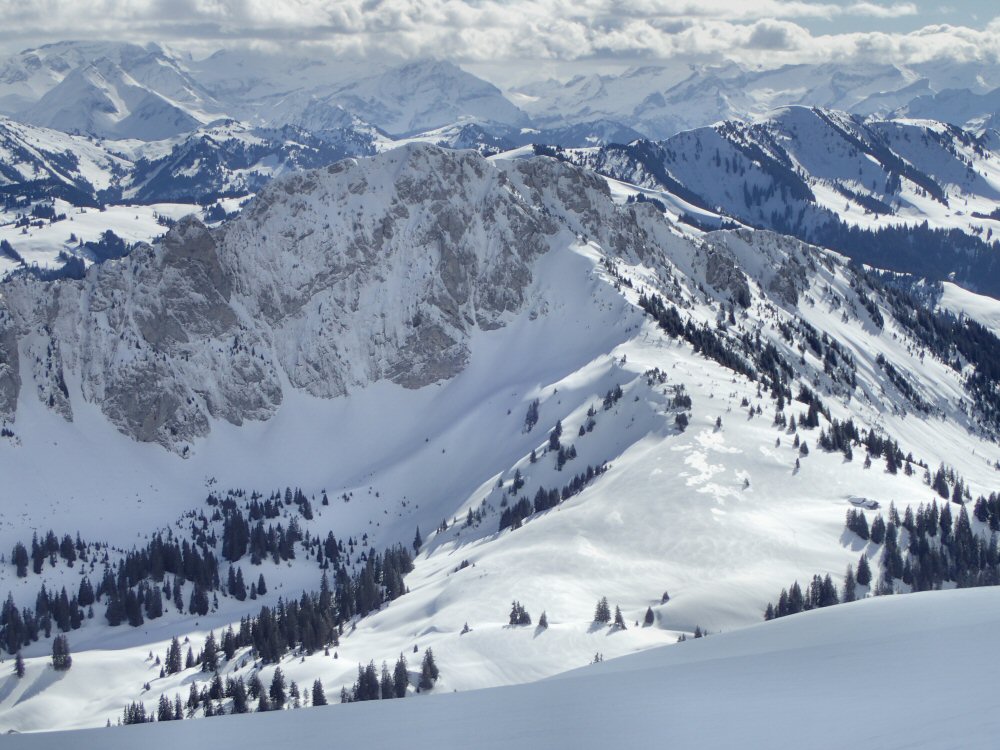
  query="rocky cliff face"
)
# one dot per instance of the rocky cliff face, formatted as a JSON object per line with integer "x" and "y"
{"x": 333, "y": 279}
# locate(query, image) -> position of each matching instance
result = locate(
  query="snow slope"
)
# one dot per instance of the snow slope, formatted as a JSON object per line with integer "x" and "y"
{"x": 770, "y": 684}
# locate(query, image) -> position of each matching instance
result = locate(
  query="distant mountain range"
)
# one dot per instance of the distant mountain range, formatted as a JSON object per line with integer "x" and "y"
{"x": 119, "y": 90}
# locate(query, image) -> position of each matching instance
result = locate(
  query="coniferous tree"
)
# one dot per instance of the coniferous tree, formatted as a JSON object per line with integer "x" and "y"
{"x": 173, "y": 664}
{"x": 418, "y": 541}
{"x": 648, "y": 620}
{"x": 619, "y": 620}
{"x": 241, "y": 703}
{"x": 864, "y": 574}
{"x": 850, "y": 593}
{"x": 428, "y": 671}
{"x": 877, "y": 533}
{"x": 61, "y": 659}
{"x": 400, "y": 678}
{"x": 318, "y": 694}
{"x": 277, "y": 690}
{"x": 254, "y": 686}
{"x": 176, "y": 595}
{"x": 555, "y": 435}
{"x": 19, "y": 665}
{"x": 602, "y": 612}
{"x": 216, "y": 691}
{"x": 531, "y": 418}
{"x": 19, "y": 558}
{"x": 210, "y": 654}
{"x": 385, "y": 683}
{"x": 518, "y": 614}
{"x": 229, "y": 644}
{"x": 367, "y": 687}
{"x": 543, "y": 621}
{"x": 134, "y": 713}
{"x": 164, "y": 709}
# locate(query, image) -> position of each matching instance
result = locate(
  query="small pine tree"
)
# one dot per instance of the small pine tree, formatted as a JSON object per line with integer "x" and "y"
{"x": 400, "y": 678}
{"x": 519, "y": 615}
{"x": 210, "y": 654}
{"x": 172, "y": 664}
{"x": 864, "y": 574}
{"x": 164, "y": 709}
{"x": 648, "y": 620}
{"x": 619, "y": 620}
{"x": 849, "y": 585}
{"x": 318, "y": 694}
{"x": 61, "y": 659}
{"x": 543, "y": 621}
{"x": 428, "y": 671}
{"x": 386, "y": 687}
{"x": 602, "y": 612}
{"x": 19, "y": 665}
{"x": 277, "y": 690}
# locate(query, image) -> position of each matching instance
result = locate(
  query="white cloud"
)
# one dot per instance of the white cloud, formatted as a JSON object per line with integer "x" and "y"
{"x": 496, "y": 31}
{"x": 776, "y": 35}
{"x": 881, "y": 11}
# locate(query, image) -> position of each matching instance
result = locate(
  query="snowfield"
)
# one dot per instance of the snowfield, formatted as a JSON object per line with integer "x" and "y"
{"x": 803, "y": 680}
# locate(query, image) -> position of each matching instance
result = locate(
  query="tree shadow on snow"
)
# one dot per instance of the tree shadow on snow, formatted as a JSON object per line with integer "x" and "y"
{"x": 46, "y": 679}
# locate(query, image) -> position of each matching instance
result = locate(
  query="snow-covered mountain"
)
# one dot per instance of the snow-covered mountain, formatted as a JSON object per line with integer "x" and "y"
{"x": 425, "y": 95}
{"x": 109, "y": 90}
{"x": 103, "y": 100}
{"x": 122, "y": 90}
{"x": 230, "y": 158}
{"x": 568, "y": 393}
{"x": 910, "y": 195}
{"x": 660, "y": 101}
{"x": 39, "y": 161}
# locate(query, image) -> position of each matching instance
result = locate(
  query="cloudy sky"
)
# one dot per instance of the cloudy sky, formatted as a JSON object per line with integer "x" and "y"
{"x": 531, "y": 34}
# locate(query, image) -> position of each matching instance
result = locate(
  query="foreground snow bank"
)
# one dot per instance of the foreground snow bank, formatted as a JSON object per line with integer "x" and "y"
{"x": 807, "y": 680}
